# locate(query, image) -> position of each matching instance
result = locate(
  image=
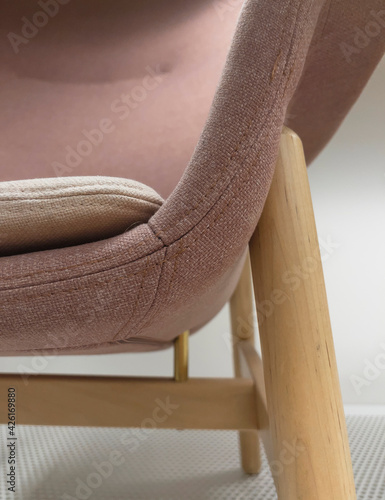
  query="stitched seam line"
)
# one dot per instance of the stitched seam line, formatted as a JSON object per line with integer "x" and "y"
{"x": 119, "y": 205}
{"x": 79, "y": 195}
{"x": 125, "y": 183}
{"x": 96, "y": 261}
{"x": 138, "y": 296}
{"x": 246, "y": 132}
{"x": 166, "y": 259}
{"x": 262, "y": 140}
{"x": 248, "y": 173}
{"x": 77, "y": 289}
{"x": 243, "y": 137}
{"x": 47, "y": 351}
{"x": 185, "y": 248}
{"x": 139, "y": 324}
{"x": 284, "y": 73}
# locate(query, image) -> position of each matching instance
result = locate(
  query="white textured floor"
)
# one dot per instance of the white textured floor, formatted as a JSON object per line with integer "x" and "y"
{"x": 165, "y": 465}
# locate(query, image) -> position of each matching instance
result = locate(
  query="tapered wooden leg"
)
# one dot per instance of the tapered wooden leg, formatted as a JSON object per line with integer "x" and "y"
{"x": 241, "y": 310}
{"x": 310, "y": 452}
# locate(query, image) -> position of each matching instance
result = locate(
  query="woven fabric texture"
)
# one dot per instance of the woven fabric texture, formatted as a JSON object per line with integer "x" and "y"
{"x": 289, "y": 60}
{"x": 39, "y": 214}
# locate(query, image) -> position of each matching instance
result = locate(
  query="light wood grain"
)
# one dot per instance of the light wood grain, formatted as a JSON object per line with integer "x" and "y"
{"x": 302, "y": 388}
{"x": 227, "y": 404}
{"x": 293, "y": 397}
{"x": 242, "y": 328}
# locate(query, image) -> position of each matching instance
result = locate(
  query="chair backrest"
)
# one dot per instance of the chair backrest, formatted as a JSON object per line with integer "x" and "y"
{"x": 302, "y": 57}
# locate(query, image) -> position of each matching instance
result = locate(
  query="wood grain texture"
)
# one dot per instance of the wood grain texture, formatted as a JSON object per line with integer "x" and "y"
{"x": 227, "y": 404}
{"x": 242, "y": 329}
{"x": 311, "y": 459}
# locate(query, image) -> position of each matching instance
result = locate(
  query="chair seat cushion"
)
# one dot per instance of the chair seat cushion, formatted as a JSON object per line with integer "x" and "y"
{"x": 42, "y": 214}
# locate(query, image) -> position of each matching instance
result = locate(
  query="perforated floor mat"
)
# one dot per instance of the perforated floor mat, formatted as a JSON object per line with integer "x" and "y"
{"x": 163, "y": 465}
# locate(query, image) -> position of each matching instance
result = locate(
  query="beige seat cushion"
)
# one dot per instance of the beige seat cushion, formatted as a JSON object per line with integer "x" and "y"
{"x": 40, "y": 214}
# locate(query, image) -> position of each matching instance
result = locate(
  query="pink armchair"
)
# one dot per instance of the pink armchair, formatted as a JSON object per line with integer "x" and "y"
{"x": 102, "y": 264}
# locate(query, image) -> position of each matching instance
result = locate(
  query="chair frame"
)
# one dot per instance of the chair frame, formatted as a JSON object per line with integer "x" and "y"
{"x": 291, "y": 400}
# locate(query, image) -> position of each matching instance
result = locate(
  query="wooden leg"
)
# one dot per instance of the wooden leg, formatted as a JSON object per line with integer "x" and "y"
{"x": 311, "y": 459}
{"x": 241, "y": 310}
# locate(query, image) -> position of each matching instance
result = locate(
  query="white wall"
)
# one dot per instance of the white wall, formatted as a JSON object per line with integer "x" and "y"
{"x": 348, "y": 188}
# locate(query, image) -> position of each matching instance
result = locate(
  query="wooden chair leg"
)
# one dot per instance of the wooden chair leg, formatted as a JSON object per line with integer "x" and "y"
{"x": 241, "y": 310}
{"x": 310, "y": 449}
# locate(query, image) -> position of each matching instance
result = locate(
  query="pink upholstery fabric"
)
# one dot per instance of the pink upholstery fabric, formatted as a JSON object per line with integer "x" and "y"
{"x": 44, "y": 214}
{"x": 141, "y": 72}
{"x": 174, "y": 273}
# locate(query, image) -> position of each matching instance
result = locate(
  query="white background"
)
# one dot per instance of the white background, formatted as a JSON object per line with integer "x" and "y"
{"x": 348, "y": 189}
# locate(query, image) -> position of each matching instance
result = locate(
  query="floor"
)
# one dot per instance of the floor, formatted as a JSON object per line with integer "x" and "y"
{"x": 126, "y": 464}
